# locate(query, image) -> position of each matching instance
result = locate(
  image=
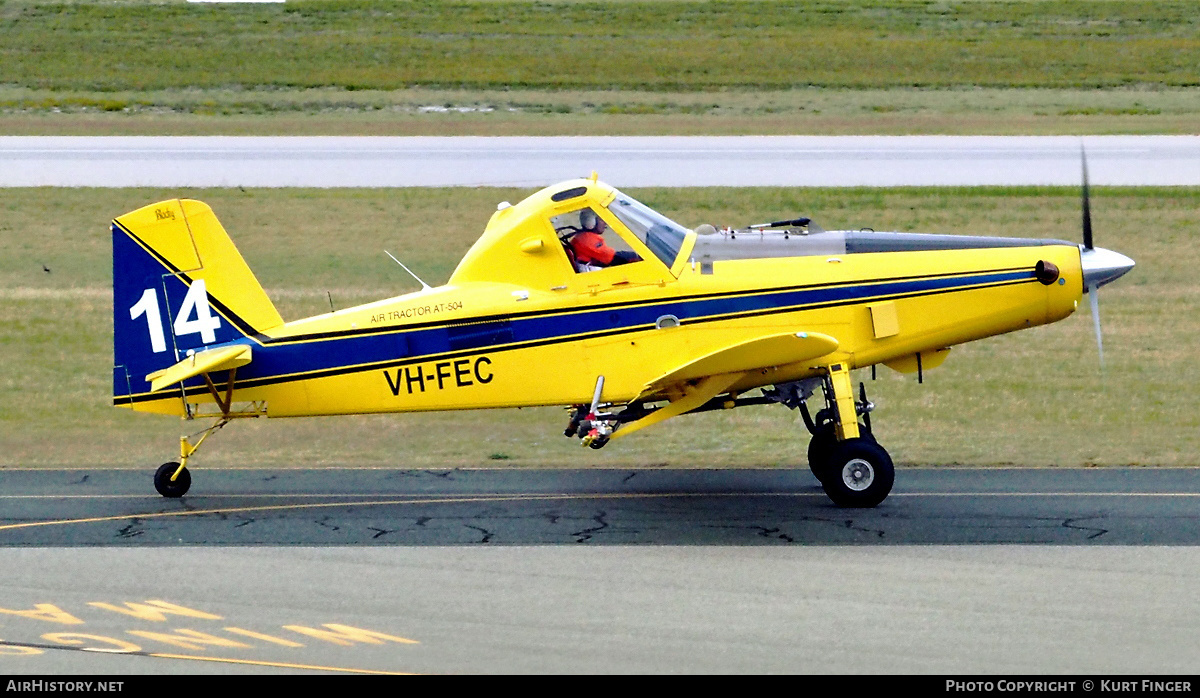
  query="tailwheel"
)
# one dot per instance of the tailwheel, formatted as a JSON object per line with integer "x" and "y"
{"x": 859, "y": 473}
{"x": 172, "y": 480}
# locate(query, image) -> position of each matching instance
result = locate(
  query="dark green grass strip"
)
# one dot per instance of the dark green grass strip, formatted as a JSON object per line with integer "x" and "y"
{"x": 680, "y": 46}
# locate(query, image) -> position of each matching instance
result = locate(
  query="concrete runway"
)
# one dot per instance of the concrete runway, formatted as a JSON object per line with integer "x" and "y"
{"x": 598, "y": 571}
{"x": 677, "y": 161}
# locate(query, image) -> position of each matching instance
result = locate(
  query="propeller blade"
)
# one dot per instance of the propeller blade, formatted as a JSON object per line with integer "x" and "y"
{"x": 1094, "y": 297}
{"x": 1087, "y": 209}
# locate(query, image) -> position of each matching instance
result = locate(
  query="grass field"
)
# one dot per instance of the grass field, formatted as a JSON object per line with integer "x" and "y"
{"x": 429, "y": 112}
{"x": 685, "y": 46}
{"x": 619, "y": 67}
{"x": 1031, "y": 398}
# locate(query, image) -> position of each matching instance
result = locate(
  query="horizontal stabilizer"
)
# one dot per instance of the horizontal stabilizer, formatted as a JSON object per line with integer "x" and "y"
{"x": 763, "y": 352}
{"x": 207, "y": 361}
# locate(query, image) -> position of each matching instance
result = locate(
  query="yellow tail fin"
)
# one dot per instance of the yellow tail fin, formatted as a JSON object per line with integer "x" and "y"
{"x": 180, "y": 287}
{"x": 186, "y": 237}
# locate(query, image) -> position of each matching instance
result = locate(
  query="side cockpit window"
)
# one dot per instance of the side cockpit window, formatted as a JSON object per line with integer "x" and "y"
{"x": 583, "y": 236}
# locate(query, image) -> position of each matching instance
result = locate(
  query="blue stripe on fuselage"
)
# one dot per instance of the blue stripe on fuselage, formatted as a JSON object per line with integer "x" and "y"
{"x": 300, "y": 356}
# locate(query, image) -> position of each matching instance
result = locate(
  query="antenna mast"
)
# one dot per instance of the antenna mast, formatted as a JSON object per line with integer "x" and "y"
{"x": 424, "y": 286}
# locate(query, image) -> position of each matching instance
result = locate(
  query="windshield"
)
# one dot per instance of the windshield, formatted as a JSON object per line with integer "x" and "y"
{"x": 662, "y": 235}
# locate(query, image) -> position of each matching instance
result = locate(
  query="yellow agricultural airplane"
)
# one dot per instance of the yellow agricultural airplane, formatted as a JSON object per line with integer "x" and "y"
{"x": 695, "y": 320}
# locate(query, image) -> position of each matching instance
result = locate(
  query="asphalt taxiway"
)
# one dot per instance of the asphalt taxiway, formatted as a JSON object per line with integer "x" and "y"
{"x": 1110, "y": 506}
{"x": 545, "y": 571}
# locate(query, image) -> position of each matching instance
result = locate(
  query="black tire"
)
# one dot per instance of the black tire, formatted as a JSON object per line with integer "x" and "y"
{"x": 821, "y": 447}
{"x": 162, "y": 481}
{"x": 860, "y": 474}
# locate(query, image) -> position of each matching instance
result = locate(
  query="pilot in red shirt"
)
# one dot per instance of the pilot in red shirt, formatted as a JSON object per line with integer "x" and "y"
{"x": 589, "y": 246}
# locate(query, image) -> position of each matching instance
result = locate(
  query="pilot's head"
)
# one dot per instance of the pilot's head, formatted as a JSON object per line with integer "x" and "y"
{"x": 588, "y": 220}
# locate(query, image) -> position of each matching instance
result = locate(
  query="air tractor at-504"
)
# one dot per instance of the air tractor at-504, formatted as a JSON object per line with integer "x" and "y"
{"x": 676, "y": 321}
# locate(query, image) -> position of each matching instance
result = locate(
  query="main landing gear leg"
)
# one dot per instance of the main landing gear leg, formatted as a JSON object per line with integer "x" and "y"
{"x": 854, "y": 470}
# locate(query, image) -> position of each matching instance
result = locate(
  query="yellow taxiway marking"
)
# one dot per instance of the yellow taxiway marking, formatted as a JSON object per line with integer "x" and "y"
{"x": 485, "y": 468}
{"x": 224, "y": 660}
{"x": 351, "y": 495}
{"x": 200, "y": 496}
{"x": 284, "y": 665}
{"x": 385, "y": 502}
{"x": 542, "y": 497}
{"x": 1045, "y": 494}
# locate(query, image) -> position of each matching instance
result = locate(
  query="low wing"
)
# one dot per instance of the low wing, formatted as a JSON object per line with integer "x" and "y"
{"x": 761, "y": 352}
{"x": 716, "y": 371}
{"x": 208, "y": 361}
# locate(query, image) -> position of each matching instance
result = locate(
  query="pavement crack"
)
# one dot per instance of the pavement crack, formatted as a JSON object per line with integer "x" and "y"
{"x": 774, "y": 533}
{"x": 442, "y": 474}
{"x": 629, "y": 477}
{"x": 586, "y": 534}
{"x": 487, "y": 535}
{"x": 379, "y": 532}
{"x": 133, "y": 530}
{"x": 849, "y": 523}
{"x": 1095, "y": 532}
{"x": 405, "y": 473}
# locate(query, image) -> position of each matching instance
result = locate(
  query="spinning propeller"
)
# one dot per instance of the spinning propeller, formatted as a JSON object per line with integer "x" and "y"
{"x": 1100, "y": 266}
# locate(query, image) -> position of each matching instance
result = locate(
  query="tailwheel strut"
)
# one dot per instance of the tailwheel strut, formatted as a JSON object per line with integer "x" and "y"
{"x": 172, "y": 479}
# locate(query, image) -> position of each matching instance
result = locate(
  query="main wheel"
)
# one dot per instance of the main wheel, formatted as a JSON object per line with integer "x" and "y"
{"x": 162, "y": 480}
{"x": 859, "y": 474}
{"x": 821, "y": 447}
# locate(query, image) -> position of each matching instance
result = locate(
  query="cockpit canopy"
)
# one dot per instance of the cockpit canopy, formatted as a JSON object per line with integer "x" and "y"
{"x": 662, "y": 235}
{"x": 531, "y": 243}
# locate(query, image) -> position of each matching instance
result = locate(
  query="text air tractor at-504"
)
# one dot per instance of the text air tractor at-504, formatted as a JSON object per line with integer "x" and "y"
{"x": 617, "y": 311}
